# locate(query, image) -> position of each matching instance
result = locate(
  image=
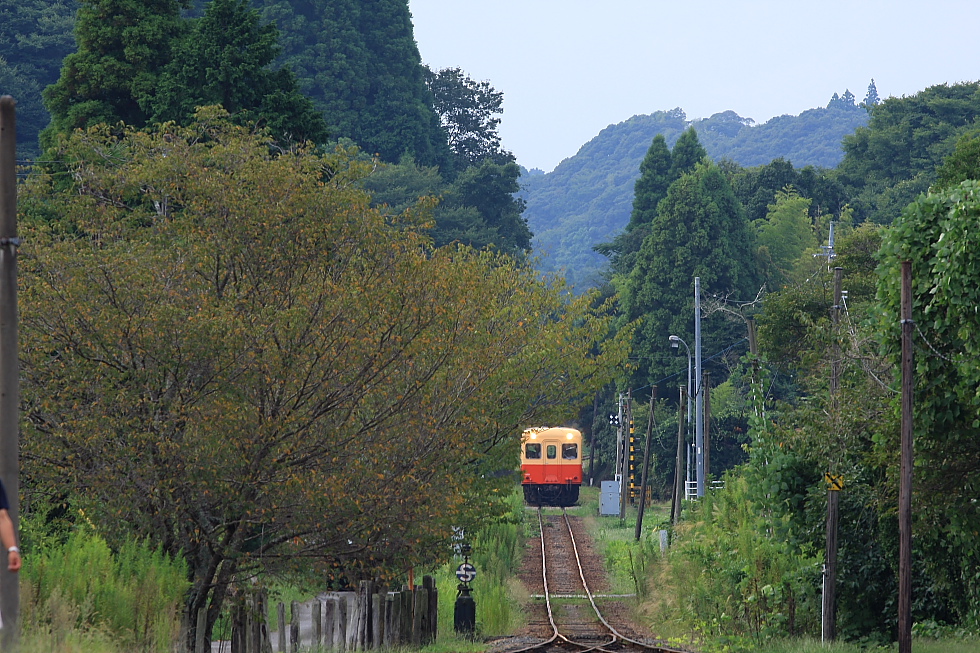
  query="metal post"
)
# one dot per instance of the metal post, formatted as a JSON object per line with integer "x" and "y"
{"x": 9, "y": 388}
{"x": 699, "y": 391}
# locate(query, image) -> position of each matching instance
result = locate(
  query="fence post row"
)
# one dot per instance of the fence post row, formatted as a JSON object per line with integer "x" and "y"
{"x": 366, "y": 619}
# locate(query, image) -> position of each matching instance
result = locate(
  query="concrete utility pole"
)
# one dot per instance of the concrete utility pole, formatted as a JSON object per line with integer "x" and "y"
{"x": 9, "y": 368}
{"x": 699, "y": 391}
{"x": 905, "y": 475}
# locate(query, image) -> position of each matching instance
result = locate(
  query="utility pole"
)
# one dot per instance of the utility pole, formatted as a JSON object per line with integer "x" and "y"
{"x": 834, "y": 481}
{"x": 675, "y": 505}
{"x": 595, "y": 412}
{"x": 627, "y": 436}
{"x": 619, "y": 440}
{"x": 706, "y": 383}
{"x": 699, "y": 392}
{"x": 646, "y": 466}
{"x": 9, "y": 367}
{"x": 905, "y": 475}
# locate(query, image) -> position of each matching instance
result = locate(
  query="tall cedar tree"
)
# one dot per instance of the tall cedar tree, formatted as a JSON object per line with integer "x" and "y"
{"x": 700, "y": 231}
{"x": 123, "y": 46}
{"x": 225, "y": 60}
{"x": 358, "y": 61}
{"x": 658, "y": 170}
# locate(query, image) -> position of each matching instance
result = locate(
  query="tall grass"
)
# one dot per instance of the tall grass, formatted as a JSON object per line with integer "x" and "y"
{"x": 81, "y": 592}
{"x": 496, "y": 556}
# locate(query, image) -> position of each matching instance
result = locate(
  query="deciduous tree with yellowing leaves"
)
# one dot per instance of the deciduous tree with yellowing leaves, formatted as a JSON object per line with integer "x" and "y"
{"x": 228, "y": 352}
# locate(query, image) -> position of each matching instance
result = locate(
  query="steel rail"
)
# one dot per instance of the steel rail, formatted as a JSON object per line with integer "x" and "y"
{"x": 557, "y": 638}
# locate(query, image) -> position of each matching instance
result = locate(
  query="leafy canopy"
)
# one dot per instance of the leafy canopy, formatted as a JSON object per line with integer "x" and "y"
{"x": 229, "y": 353}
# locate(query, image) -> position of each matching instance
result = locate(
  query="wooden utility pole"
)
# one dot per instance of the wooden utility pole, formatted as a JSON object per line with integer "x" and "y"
{"x": 646, "y": 466}
{"x": 706, "y": 380}
{"x": 829, "y": 625}
{"x": 675, "y": 505}
{"x": 595, "y": 411}
{"x": 9, "y": 368}
{"x": 627, "y": 436}
{"x": 905, "y": 480}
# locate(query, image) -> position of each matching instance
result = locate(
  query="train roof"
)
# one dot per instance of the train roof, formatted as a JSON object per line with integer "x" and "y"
{"x": 549, "y": 430}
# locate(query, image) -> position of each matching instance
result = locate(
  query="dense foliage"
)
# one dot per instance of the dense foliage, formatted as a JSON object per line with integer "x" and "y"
{"x": 229, "y": 353}
{"x": 36, "y": 37}
{"x": 359, "y": 63}
{"x": 891, "y": 161}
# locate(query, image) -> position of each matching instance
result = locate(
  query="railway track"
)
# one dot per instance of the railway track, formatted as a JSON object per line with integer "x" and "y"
{"x": 573, "y": 615}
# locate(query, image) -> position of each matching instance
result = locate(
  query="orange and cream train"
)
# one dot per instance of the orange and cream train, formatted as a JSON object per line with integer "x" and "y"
{"x": 551, "y": 465}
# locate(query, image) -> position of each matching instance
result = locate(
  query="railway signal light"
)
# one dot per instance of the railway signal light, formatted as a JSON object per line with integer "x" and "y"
{"x": 614, "y": 419}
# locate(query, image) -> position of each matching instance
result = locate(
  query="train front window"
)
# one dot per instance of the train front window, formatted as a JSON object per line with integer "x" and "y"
{"x": 569, "y": 451}
{"x": 532, "y": 450}
{"x": 552, "y": 452}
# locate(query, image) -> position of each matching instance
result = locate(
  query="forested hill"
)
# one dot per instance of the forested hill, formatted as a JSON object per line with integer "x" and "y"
{"x": 587, "y": 199}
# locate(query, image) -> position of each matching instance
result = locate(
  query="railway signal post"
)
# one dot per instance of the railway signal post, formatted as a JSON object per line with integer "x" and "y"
{"x": 464, "y": 614}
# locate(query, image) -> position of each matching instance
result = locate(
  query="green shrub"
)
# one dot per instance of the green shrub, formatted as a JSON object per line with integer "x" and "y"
{"x": 132, "y": 596}
{"x": 733, "y": 574}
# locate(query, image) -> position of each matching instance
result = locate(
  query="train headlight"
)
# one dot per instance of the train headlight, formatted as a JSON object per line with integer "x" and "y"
{"x": 569, "y": 435}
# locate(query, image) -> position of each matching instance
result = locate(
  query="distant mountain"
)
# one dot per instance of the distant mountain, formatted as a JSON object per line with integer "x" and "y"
{"x": 588, "y": 198}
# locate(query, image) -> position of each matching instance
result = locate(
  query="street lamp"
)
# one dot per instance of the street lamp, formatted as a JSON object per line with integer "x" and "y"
{"x": 674, "y": 340}
{"x": 673, "y": 343}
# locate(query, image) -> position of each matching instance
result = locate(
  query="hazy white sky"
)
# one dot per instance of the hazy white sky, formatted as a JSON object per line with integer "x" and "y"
{"x": 569, "y": 68}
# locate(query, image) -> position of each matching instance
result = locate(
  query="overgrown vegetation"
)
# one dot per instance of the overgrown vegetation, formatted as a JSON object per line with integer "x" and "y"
{"x": 79, "y": 595}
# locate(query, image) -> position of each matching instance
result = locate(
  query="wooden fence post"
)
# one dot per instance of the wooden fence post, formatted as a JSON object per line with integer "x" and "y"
{"x": 407, "y": 616}
{"x": 317, "y": 633}
{"x": 429, "y": 583}
{"x": 281, "y": 617}
{"x": 294, "y": 627}
{"x": 420, "y": 617}
{"x": 392, "y": 617}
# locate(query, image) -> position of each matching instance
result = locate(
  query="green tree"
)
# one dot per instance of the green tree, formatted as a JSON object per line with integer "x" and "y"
{"x": 225, "y": 59}
{"x": 871, "y": 99}
{"x": 228, "y": 353}
{"x": 905, "y": 141}
{"x": 123, "y": 45}
{"x": 468, "y": 110}
{"x": 37, "y": 35}
{"x": 962, "y": 164}
{"x": 650, "y": 188}
{"x": 700, "y": 231}
{"x": 784, "y": 235}
{"x": 686, "y": 154}
{"x": 491, "y": 189}
{"x": 359, "y": 63}
{"x": 938, "y": 234}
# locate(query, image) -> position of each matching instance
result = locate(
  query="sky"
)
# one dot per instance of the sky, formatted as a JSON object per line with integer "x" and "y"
{"x": 570, "y": 68}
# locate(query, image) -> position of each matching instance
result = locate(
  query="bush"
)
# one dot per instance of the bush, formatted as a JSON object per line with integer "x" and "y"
{"x": 81, "y": 588}
{"x": 733, "y": 574}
